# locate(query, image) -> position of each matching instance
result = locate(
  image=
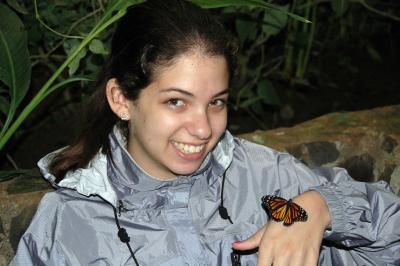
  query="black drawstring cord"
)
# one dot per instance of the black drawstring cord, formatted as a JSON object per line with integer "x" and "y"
{"x": 223, "y": 212}
{"x": 122, "y": 234}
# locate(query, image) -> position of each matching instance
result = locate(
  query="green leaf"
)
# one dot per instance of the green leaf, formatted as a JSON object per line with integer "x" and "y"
{"x": 8, "y": 174}
{"x": 114, "y": 11}
{"x": 226, "y": 3}
{"x": 267, "y": 92}
{"x": 17, "y": 6}
{"x": 246, "y": 29}
{"x": 115, "y": 8}
{"x": 275, "y": 21}
{"x": 340, "y": 7}
{"x": 65, "y": 82}
{"x": 74, "y": 65}
{"x": 97, "y": 47}
{"x": 249, "y": 3}
{"x": 3, "y": 75}
{"x": 70, "y": 47}
{"x": 15, "y": 65}
{"x": 250, "y": 101}
{"x": 4, "y": 105}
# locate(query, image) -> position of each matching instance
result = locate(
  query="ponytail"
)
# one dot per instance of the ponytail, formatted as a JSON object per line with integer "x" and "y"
{"x": 97, "y": 124}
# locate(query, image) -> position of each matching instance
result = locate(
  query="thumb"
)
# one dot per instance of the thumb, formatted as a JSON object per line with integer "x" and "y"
{"x": 250, "y": 243}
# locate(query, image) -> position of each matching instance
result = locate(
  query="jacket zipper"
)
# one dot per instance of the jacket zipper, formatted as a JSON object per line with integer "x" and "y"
{"x": 235, "y": 259}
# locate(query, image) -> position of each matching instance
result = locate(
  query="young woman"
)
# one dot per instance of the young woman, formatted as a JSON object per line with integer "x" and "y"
{"x": 156, "y": 179}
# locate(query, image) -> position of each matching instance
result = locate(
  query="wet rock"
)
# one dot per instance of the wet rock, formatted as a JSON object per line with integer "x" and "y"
{"x": 23, "y": 184}
{"x": 387, "y": 173}
{"x": 375, "y": 132}
{"x": 1, "y": 227}
{"x": 389, "y": 144}
{"x": 16, "y": 211}
{"x": 360, "y": 167}
{"x": 322, "y": 152}
{"x": 20, "y": 223}
{"x": 296, "y": 151}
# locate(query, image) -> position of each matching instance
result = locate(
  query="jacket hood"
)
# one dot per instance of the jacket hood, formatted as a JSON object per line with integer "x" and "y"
{"x": 94, "y": 180}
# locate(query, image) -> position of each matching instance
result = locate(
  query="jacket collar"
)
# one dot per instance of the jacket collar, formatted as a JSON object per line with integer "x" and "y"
{"x": 111, "y": 177}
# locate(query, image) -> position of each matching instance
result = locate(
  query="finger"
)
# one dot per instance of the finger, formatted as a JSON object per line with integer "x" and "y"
{"x": 297, "y": 259}
{"x": 250, "y": 243}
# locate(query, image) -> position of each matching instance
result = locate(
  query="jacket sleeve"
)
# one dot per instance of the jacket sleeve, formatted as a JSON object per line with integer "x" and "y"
{"x": 38, "y": 245}
{"x": 365, "y": 217}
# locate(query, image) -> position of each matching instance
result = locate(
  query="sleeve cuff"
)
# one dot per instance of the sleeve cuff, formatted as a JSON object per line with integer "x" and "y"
{"x": 334, "y": 198}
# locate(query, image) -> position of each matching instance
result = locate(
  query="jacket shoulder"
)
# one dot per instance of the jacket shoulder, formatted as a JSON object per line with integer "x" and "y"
{"x": 272, "y": 169}
{"x": 57, "y": 198}
{"x": 259, "y": 153}
{"x": 50, "y": 211}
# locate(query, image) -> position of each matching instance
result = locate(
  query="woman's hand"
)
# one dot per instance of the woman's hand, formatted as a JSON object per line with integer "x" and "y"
{"x": 297, "y": 244}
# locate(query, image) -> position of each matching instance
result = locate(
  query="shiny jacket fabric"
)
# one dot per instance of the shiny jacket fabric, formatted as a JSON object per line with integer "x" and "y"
{"x": 176, "y": 222}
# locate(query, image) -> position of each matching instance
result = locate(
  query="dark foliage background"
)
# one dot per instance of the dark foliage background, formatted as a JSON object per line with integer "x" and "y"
{"x": 346, "y": 59}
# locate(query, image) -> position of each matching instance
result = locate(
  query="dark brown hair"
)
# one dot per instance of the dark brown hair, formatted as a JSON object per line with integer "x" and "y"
{"x": 151, "y": 35}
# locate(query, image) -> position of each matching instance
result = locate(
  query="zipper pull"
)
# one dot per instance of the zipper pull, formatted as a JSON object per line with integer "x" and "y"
{"x": 235, "y": 258}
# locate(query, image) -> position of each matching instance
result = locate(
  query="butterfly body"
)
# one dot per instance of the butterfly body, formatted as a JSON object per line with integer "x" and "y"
{"x": 280, "y": 209}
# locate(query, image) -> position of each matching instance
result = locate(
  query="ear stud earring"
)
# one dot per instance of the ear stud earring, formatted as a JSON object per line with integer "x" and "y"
{"x": 124, "y": 116}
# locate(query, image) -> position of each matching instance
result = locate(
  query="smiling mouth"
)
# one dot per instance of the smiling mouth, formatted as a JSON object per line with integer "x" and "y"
{"x": 188, "y": 149}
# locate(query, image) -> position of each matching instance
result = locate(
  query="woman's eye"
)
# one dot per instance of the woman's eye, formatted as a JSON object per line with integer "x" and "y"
{"x": 175, "y": 102}
{"x": 218, "y": 102}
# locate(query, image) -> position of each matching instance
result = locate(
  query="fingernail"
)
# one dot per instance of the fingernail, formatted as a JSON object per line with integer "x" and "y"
{"x": 237, "y": 241}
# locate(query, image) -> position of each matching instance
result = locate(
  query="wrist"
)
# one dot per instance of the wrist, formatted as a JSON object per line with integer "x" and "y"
{"x": 316, "y": 207}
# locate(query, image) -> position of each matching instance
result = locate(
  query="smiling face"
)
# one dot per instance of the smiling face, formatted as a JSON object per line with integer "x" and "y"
{"x": 180, "y": 116}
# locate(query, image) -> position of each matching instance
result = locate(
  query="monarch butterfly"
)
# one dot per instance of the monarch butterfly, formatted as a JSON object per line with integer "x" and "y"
{"x": 280, "y": 209}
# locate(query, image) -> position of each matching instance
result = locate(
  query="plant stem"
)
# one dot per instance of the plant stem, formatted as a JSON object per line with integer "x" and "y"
{"x": 292, "y": 26}
{"x": 49, "y": 28}
{"x": 310, "y": 41}
{"x": 11, "y": 160}
{"x": 301, "y": 55}
{"x": 361, "y": 2}
{"x": 374, "y": 10}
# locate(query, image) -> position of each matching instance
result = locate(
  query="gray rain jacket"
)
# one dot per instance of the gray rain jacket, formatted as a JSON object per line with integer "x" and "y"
{"x": 176, "y": 222}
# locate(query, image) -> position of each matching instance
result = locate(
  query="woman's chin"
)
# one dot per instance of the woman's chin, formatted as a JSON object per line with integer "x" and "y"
{"x": 186, "y": 169}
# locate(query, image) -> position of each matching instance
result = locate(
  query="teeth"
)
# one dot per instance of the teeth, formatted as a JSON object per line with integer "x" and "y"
{"x": 185, "y": 148}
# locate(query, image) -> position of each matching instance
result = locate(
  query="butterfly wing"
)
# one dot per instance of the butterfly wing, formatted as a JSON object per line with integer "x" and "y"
{"x": 276, "y": 206}
{"x": 282, "y": 210}
{"x": 299, "y": 213}
{"x": 295, "y": 213}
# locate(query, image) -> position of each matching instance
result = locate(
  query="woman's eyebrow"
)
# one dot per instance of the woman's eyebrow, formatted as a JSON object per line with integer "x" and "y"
{"x": 189, "y": 93}
{"x": 221, "y": 93}
{"x": 177, "y": 90}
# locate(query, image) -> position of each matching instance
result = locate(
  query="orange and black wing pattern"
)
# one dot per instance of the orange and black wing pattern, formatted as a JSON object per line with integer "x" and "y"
{"x": 280, "y": 209}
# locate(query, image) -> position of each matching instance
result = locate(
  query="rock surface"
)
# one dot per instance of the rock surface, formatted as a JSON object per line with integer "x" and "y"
{"x": 18, "y": 202}
{"x": 367, "y": 143}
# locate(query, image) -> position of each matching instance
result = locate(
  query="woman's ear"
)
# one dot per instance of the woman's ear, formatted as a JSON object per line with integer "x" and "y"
{"x": 116, "y": 99}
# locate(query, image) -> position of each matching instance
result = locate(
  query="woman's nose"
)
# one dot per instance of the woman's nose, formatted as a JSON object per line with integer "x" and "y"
{"x": 200, "y": 126}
